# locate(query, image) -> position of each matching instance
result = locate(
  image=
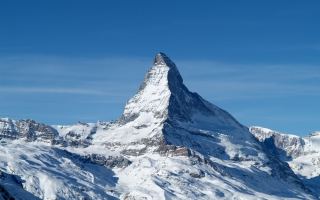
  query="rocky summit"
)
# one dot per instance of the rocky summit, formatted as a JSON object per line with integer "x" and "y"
{"x": 169, "y": 143}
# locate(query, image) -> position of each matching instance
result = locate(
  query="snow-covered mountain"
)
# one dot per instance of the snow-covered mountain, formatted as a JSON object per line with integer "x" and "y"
{"x": 301, "y": 153}
{"x": 169, "y": 143}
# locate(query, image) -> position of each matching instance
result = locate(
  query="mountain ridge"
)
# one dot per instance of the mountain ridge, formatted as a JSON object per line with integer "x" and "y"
{"x": 169, "y": 143}
{"x": 301, "y": 153}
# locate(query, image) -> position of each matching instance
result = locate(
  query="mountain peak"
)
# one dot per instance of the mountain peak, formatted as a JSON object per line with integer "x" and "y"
{"x": 162, "y": 59}
{"x": 167, "y": 136}
{"x": 163, "y": 94}
{"x": 164, "y": 63}
{"x": 162, "y": 71}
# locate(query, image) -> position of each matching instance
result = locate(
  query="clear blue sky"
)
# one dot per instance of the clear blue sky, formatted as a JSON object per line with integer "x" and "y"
{"x": 65, "y": 61}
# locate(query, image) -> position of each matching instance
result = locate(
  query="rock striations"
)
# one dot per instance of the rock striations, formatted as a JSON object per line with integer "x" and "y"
{"x": 169, "y": 143}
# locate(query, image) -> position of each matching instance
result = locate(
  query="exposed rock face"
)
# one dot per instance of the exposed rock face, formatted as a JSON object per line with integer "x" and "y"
{"x": 282, "y": 145}
{"x": 107, "y": 161}
{"x": 28, "y": 130}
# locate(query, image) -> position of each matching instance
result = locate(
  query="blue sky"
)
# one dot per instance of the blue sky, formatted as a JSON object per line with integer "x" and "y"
{"x": 65, "y": 61}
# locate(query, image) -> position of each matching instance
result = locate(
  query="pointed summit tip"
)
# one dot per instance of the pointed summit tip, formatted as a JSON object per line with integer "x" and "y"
{"x": 162, "y": 59}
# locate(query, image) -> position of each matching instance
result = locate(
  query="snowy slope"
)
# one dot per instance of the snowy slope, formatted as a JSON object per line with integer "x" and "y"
{"x": 169, "y": 143}
{"x": 301, "y": 153}
{"x": 47, "y": 172}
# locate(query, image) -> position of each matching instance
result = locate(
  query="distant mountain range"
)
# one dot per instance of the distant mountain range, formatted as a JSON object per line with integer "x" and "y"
{"x": 169, "y": 143}
{"x": 301, "y": 153}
